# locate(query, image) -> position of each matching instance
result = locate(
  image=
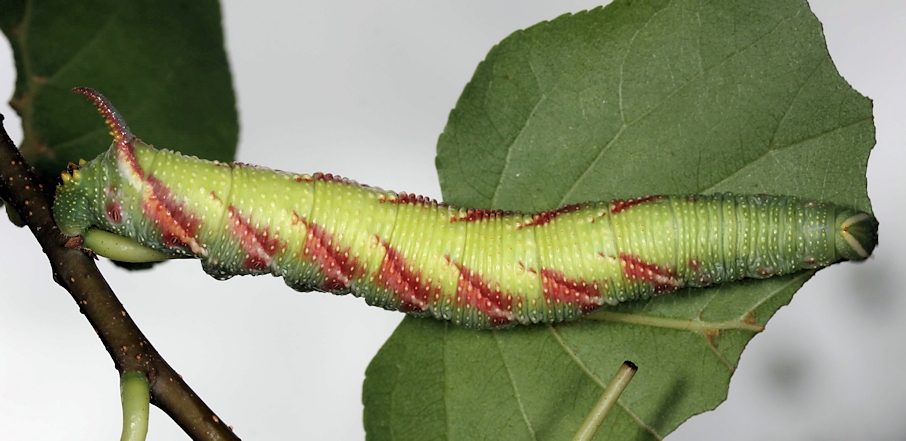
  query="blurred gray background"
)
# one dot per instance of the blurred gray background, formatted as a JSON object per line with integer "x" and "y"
{"x": 363, "y": 89}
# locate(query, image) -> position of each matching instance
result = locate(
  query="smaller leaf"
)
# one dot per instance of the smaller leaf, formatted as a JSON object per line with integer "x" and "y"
{"x": 166, "y": 72}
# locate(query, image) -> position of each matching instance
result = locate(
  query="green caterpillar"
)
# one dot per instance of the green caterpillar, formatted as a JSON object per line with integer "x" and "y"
{"x": 477, "y": 268}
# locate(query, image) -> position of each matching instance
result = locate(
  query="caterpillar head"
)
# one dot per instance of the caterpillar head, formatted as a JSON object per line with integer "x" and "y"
{"x": 70, "y": 206}
{"x": 856, "y": 234}
{"x": 74, "y": 206}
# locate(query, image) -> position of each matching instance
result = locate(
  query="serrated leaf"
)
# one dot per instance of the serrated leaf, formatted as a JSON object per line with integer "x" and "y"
{"x": 162, "y": 63}
{"x": 654, "y": 97}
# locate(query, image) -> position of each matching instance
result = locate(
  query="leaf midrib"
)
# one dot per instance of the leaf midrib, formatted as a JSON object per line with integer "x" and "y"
{"x": 665, "y": 99}
{"x": 516, "y": 394}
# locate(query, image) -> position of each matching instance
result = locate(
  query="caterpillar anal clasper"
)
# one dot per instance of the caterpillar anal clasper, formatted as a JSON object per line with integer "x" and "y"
{"x": 478, "y": 268}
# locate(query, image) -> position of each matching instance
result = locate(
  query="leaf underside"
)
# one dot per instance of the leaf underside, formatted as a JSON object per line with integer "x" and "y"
{"x": 637, "y": 98}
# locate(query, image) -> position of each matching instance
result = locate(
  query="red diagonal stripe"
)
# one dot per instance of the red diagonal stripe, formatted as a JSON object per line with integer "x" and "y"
{"x": 664, "y": 279}
{"x": 177, "y": 224}
{"x": 557, "y": 287}
{"x": 337, "y": 265}
{"x": 257, "y": 243}
{"x": 407, "y": 284}
{"x": 477, "y": 292}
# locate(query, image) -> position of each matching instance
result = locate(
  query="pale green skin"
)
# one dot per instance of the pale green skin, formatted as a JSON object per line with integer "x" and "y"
{"x": 597, "y": 256}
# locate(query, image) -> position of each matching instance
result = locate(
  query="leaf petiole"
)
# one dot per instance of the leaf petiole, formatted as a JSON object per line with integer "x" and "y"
{"x": 608, "y": 398}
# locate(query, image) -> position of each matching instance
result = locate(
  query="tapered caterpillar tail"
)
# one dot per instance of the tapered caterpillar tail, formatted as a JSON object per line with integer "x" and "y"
{"x": 477, "y": 268}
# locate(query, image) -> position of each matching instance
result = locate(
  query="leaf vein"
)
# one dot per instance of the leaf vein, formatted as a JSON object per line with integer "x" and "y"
{"x": 509, "y": 150}
{"x": 774, "y": 151}
{"x": 72, "y": 61}
{"x": 516, "y": 394}
{"x": 720, "y": 356}
{"x": 600, "y": 382}
{"x": 789, "y": 108}
{"x": 693, "y": 79}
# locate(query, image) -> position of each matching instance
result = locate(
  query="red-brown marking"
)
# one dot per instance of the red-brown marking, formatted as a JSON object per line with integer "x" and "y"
{"x": 114, "y": 212}
{"x": 711, "y": 335}
{"x": 411, "y": 199}
{"x": 545, "y": 217}
{"x": 113, "y": 209}
{"x": 337, "y": 265}
{"x": 479, "y": 214}
{"x": 663, "y": 279}
{"x": 695, "y": 265}
{"x": 766, "y": 271}
{"x": 178, "y": 225}
{"x": 257, "y": 243}
{"x": 408, "y": 285}
{"x": 326, "y": 177}
{"x": 330, "y": 177}
{"x": 558, "y": 288}
{"x": 621, "y": 205}
{"x": 475, "y": 291}
{"x": 298, "y": 219}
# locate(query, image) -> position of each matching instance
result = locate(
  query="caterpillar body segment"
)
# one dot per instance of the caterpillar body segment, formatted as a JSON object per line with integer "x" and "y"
{"x": 477, "y": 268}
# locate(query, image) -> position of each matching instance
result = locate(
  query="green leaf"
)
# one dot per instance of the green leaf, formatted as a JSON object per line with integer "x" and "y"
{"x": 654, "y": 97}
{"x": 162, "y": 63}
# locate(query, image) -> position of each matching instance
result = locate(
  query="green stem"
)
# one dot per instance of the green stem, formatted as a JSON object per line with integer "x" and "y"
{"x": 611, "y": 393}
{"x": 135, "y": 391}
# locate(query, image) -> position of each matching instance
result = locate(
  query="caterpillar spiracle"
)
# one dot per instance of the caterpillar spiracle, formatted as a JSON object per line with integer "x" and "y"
{"x": 478, "y": 268}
